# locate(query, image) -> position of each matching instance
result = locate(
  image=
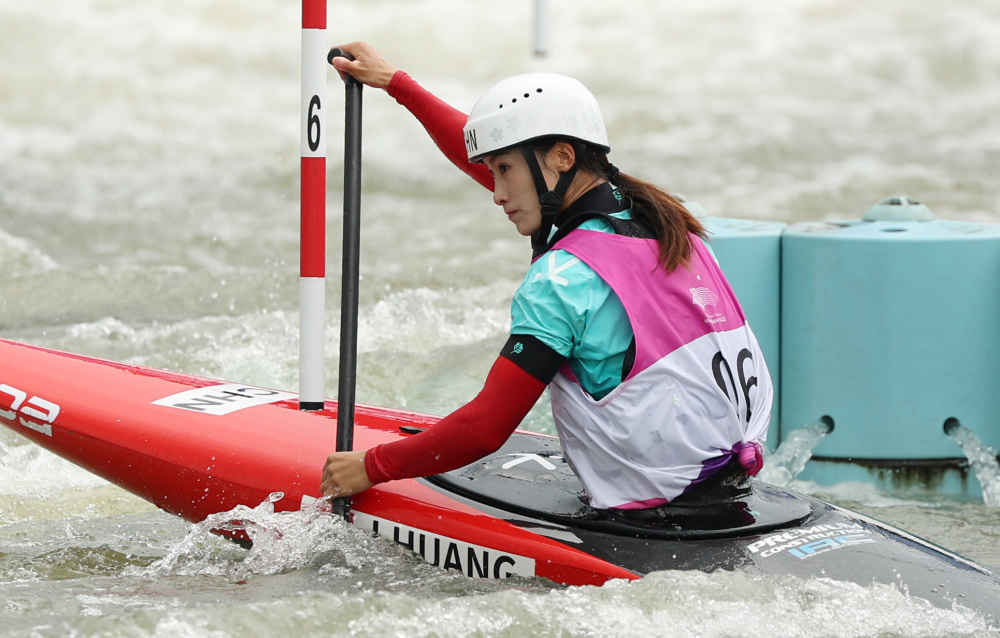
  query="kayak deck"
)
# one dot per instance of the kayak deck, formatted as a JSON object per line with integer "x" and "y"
{"x": 530, "y": 476}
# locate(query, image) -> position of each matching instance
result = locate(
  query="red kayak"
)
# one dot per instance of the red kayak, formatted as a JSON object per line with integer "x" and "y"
{"x": 195, "y": 447}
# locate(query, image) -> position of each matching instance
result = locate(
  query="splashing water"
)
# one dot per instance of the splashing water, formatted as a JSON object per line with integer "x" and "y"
{"x": 982, "y": 458}
{"x": 282, "y": 542}
{"x": 323, "y": 549}
{"x": 790, "y": 458}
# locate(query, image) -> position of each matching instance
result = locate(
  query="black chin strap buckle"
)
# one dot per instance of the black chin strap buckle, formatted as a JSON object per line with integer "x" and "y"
{"x": 550, "y": 200}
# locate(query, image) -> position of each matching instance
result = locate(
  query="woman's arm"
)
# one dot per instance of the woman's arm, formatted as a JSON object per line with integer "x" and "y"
{"x": 443, "y": 122}
{"x": 476, "y": 429}
{"x": 466, "y": 435}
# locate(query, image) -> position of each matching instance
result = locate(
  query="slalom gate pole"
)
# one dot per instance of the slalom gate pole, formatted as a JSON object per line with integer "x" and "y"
{"x": 312, "y": 259}
{"x": 350, "y": 272}
{"x": 541, "y": 28}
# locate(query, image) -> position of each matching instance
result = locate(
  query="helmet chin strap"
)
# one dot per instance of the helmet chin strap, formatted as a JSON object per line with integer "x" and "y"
{"x": 549, "y": 199}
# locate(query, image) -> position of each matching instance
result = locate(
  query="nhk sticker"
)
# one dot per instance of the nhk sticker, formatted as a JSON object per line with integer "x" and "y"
{"x": 219, "y": 400}
{"x": 811, "y": 541}
{"x": 474, "y": 561}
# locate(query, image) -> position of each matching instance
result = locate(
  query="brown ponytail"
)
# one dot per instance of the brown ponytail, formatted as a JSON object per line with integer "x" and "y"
{"x": 671, "y": 223}
{"x": 656, "y": 209}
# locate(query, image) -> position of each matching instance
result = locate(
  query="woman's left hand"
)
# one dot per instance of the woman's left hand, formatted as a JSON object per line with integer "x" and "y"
{"x": 368, "y": 66}
{"x": 344, "y": 474}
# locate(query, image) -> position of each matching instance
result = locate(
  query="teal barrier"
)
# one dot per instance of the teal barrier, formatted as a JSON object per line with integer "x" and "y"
{"x": 889, "y": 325}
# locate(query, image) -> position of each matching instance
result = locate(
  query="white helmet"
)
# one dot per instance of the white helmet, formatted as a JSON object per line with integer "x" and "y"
{"x": 532, "y": 105}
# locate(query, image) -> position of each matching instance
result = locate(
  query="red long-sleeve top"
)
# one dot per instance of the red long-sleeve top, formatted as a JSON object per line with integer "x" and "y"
{"x": 443, "y": 122}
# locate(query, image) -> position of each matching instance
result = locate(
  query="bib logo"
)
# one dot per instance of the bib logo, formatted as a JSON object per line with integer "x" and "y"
{"x": 703, "y": 298}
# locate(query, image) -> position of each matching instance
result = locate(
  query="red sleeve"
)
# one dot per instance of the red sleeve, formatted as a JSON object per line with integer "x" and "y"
{"x": 442, "y": 121}
{"x": 466, "y": 435}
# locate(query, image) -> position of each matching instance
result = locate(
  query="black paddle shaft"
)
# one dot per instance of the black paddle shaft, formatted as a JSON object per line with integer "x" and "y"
{"x": 350, "y": 275}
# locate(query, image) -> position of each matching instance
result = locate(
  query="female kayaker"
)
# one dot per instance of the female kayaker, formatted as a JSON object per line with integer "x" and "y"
{"x": 657, "y": 382}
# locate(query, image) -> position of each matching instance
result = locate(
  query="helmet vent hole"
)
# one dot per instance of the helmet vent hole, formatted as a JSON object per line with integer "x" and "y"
{"x": 527, "y": 95}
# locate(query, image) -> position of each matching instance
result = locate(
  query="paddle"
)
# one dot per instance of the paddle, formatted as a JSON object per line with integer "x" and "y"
{"x": 350, "y": 273}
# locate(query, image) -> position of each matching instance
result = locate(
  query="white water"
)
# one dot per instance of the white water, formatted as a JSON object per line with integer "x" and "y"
{"x": 788, "y": 460}
{"x": 982, "y": 460}
{"x": 148, "y": 213}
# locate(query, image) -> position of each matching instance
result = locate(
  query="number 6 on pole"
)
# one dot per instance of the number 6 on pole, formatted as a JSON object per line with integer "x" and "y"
{"x": 314, "y": 126}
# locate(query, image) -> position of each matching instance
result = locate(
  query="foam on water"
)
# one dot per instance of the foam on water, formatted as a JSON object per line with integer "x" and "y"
{"x": 436, "y": 317}
{"x": 19, "y": 256}
{"x": 26, "y": 471}
{"x": 387, "y": 592}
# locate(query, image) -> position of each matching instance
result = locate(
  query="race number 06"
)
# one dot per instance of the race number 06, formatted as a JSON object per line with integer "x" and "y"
{"x": 719, "y": 364}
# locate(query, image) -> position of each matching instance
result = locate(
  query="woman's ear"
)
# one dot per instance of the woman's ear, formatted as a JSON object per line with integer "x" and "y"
{"x": 561, "y": 157}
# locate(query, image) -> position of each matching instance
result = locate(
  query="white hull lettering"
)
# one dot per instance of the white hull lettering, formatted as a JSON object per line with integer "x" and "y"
{"x": 219, "y": 400}
{"x": 35, "y": 413}
{"x": 474, "y": 561}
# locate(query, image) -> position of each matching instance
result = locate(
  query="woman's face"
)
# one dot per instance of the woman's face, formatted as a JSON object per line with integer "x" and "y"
{"x": 514, "y": 188}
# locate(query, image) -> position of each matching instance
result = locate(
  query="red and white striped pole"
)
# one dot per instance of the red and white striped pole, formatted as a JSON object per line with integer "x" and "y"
{"x": 312, "y": 264}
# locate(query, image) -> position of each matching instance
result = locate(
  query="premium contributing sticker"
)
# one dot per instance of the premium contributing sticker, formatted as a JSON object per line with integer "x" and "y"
{"x": 807, "y": 542}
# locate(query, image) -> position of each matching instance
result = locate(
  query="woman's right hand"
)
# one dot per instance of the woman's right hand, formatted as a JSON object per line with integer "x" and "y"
{"x": 368, "y": 66}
